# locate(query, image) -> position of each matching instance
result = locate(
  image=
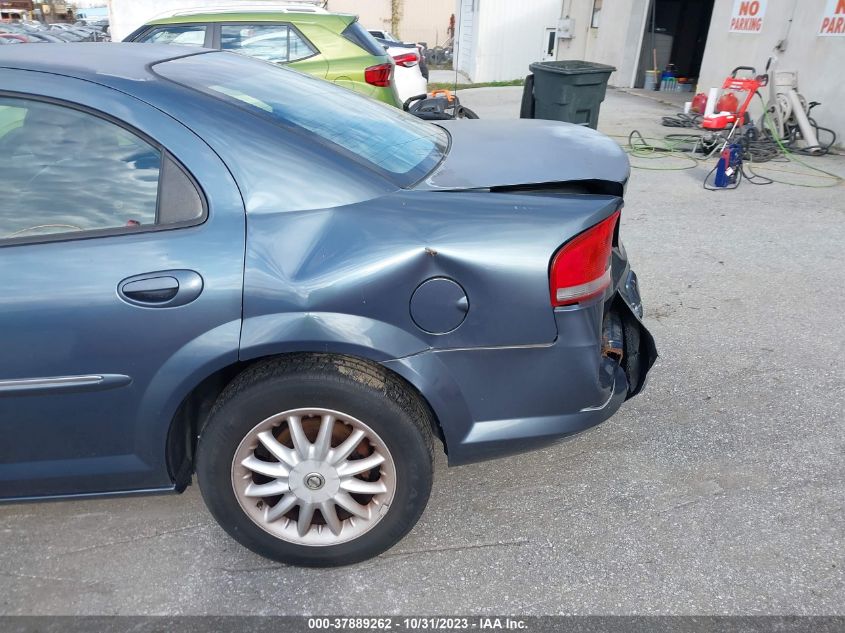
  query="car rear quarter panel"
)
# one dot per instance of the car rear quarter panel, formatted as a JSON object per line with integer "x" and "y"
{"x": 334, "y": 255}
{"x": 514, "y": 374}
{"x": 347, "y": 274}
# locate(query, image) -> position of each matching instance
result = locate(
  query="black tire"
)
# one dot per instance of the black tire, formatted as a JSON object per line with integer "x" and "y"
{"x": 361, "y": 389}
{"x": 466, "y": 113}
{"x": 526, "y": 107}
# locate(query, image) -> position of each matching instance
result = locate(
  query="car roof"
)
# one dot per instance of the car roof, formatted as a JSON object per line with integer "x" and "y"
{"x": 293, "y": 15}
{"x": 244, "y": 7}
{"x": 95, "y": 61}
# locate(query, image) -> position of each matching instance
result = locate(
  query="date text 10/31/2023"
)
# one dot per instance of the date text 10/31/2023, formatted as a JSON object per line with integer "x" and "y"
{"x": 418, "y": 623}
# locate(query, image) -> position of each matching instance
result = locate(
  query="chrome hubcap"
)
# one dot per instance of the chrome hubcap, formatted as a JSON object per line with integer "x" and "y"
{"x": 314, "y": 476}
{"x": 314, "y": 481}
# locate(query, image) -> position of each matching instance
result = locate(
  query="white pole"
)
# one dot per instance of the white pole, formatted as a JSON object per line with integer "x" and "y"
{"x": 803, "y": 124}
{"x": 711, "y": 101}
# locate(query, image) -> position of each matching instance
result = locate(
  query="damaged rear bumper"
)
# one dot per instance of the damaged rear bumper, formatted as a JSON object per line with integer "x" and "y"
{"x": 492, "y": 402}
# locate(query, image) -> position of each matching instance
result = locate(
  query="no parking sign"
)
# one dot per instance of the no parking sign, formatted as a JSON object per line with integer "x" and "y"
{"x": 833, "y": 20}
{"x": 747, "y": 16}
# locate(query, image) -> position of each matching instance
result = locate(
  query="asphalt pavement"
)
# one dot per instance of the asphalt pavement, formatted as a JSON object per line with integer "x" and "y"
{"x": 719, "y": 490}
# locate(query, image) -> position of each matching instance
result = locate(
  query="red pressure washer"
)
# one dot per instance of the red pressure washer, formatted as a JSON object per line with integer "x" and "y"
{"x": 749, "y": 85}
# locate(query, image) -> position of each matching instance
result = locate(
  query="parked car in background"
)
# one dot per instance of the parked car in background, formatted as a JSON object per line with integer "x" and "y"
{"x": 12, "y": 38}
{"x": 293, "y": 292}
{"x": 331, "y": 46}
{"x": 33, "y": 35}
{"x": 403, "y": 45}
{"x": 53, "y": 33}
{"x": 407, "y": 75}
{"x": 383, "y": 35}
{"x": 70, "y": 35}
{"x": 84, "y": 33}
{"x": 99, "y": 24}
{"x": 386, "y": 39}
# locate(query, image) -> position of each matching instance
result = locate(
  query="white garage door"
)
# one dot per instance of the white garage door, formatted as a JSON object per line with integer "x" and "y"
{"x": 466, "y": 52}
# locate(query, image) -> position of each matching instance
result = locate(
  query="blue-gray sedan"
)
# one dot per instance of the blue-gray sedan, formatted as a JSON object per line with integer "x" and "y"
{"x": 212, "y": 265}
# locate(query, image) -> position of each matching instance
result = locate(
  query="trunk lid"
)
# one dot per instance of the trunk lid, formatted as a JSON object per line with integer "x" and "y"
{"x": 501, "y": 153}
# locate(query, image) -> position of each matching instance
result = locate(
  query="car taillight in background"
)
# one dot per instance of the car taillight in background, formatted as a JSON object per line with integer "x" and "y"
{"x": 407, "y": 60}
{"x": 378, "y": 75}
{"x": 581, "y": 268}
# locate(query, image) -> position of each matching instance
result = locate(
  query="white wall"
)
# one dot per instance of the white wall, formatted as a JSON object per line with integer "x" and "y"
{"x": 507, "y": 36}
{"x": 616, "y": 41}
{"x": 511, "y": 36}
{"x": 464, "y": 48}
{"x": 419, "y": 20}
{"x": 818, "y": 60}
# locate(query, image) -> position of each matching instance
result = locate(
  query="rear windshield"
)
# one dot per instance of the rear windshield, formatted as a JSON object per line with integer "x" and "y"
{"x": 360, "y": 36}
{"x": 395, "y": 144}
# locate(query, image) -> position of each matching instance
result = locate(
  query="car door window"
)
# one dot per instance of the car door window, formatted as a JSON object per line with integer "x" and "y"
{"x": 396, "y": 144}
{"x": 67, "y": 173}
{"x": 361, "y": 37}
{"x": 298, "y": 47}
{"x": 190, "y": 35}
{"x": 277, "y": 43}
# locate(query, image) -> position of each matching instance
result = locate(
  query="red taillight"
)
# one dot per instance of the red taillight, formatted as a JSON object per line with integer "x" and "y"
{"x": 581, "y": 268}
{"x": 378, "y": 75}
{"x": 408, "y": 60}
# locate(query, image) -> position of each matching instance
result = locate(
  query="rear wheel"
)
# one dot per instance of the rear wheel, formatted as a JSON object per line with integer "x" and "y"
{"x": 316, "y": 460}
{"x": 465, "y": 113}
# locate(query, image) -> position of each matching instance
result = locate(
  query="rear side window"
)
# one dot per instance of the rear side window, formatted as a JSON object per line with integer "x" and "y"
{"x": 187, "y": 35}
{"x": 67, "y": 172}
{"x": 277, "y": 43}
{"x": 361, "y": 37}
{"x": 395, "y": 144}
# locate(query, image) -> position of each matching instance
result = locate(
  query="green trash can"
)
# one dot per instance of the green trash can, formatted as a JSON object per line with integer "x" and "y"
{"x": 569, "y": 90}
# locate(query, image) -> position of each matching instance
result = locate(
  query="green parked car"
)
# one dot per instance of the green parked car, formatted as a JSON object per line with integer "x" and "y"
{"x": 332, "y": 46}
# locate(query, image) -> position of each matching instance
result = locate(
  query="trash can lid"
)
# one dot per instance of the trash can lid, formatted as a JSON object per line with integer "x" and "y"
{"x": 571, "y": 67}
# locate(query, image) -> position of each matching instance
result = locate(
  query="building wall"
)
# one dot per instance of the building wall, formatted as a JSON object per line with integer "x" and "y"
{"x": 616, "y": 41}
{"x": 419, "y": 20}
{"x": 511, "y": 36}
{"x": 18, "y": 8}
{"x": 466, "y": 30}
{"x": 508, "y": 36}
{"x": 818, "y": 60}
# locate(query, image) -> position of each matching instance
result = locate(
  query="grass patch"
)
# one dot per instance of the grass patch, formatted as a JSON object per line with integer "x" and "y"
{"x": 487, "y": 84}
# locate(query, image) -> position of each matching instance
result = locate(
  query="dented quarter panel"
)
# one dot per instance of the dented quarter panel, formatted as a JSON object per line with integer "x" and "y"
{"x": 342, "y": 278}
{"x": 331, "y": 267}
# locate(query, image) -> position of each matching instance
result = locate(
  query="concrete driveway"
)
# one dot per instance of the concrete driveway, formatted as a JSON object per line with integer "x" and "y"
{"x": 720, "y": 490}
